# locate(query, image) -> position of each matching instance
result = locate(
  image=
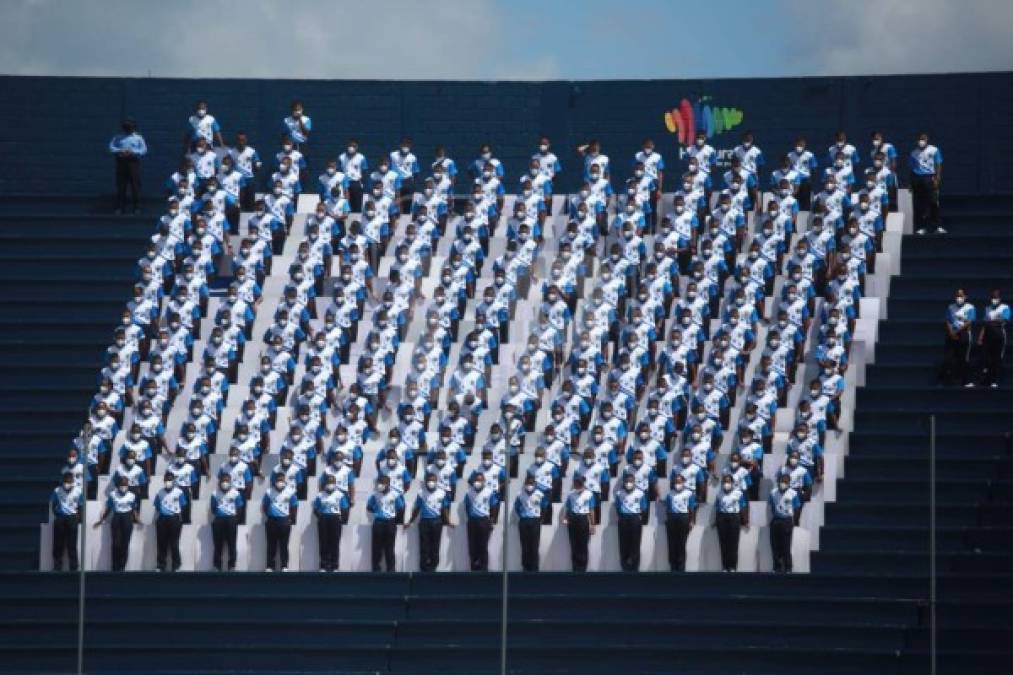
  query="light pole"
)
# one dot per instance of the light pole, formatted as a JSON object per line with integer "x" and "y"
{"x": 86, "y": 438}
{"x": 505, "y": 510}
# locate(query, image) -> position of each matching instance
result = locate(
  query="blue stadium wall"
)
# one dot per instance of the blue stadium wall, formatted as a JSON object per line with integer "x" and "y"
{"x": 53, "y": 131}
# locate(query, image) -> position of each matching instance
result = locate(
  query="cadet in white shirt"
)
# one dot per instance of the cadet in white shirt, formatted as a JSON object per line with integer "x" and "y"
{"x": 784, "y": 507}
{"x": 926, "y": 162}
{"x": 732, "y": 515}
{"x": 202, "y": 126}
{"x": 992, "y": 338}
{"x": 960, "y": 318}
{"x": 66, "y": 502}
{"x": 433, "y": 505}
{"x": 297, "y": 126}
{"x": 530, "y": 507}
{"x": 122, "y": 506}
{"x": 578, "y": 518}
{"x": 169, "y": 504}
{"x": 482, "y": 507}
{"x": 248, "y": 163}
{"x": 680, "y": 517}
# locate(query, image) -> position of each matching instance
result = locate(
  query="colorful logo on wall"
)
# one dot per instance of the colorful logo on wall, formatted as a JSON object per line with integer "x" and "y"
{"x": 690, "y": 118}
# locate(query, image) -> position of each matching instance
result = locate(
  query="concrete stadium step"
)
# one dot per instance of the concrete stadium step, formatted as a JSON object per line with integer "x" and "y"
{"x": 44, "y": 357}
{"x": 52, "y": 398}
{"x": 72, "y": 270}
{"x": 954, "y": 246}
{"x": 942, "y": 285}
{"x": 875, "y": 466}
{"x": 98, "y": 331}
{"x": 924, "y": 309}
{"x": 979, "y": 224}
{"x": 996, "y": 264}
{"x": 898, "y": 418}
{"x": 47, "y": 250}
{"x": 888, "y": 560}
{"x": 906, "y": 489}
{"x": 37, "y": 444}
{"x": 886, "y": 514}
{"x": 480, "y": 633}
{"x": 884, "y": 382}
{"x": 29, "y": 226}
{"x": 968, "y": 204}
{"x": 916, "y": 539}
{"x": 916, "y": 444}
{"x": 463, "y": 659}
{"x": 906, "y": 354}
{"x": 55, "y": 374}
{"x": 99, "y": 290}
{"x": 29, "y": 419}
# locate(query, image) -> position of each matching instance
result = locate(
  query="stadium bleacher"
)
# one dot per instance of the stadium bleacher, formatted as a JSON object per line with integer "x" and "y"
{"x": 863, "y": 606}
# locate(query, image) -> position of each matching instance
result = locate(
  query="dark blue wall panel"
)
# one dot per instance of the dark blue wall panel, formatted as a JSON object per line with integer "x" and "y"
{"x": 53, "y": 131}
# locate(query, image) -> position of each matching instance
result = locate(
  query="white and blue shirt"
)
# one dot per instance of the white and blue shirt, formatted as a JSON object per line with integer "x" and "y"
{"x": 293, "y": 130}
{"x": 228, "y": 503}
{"x": 531, "y": 504}
{"x": 784, "y": 503}
{"x": 681, "y": 501}
{"x": 630, "y": 502}
{"x": 331, "y": 503}
{"x": 431, "y": 503}
{"x": 580, "y": 502}
{"x": 960, "y": 317}
{"x": 385, "y": 505}
{"x": 205, "y": 127}
{"x": 925, "y": 161}
{"x": 67, "y": 503}
{"x": 169, "y": 502}
{"x": 280, "y": 503}
{"x": 121, "y": 502}
{"x": 479, "y": 503}
{"x": 733, "y": 501}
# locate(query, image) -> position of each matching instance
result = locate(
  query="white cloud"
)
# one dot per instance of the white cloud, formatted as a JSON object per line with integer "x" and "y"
{"x": 899, "y": 36}
{"x": 500, "y": 39}
{"x": 397, "y": 39}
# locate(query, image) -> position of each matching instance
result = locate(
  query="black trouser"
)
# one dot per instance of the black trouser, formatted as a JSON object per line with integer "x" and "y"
{"x": 677, "y": 528}
{"x": 993, "y": 349}
{"x": 355, "y": 195}
{"x": 957, "y": 359}
{"x": 329, "y": 536}
{"x": 406, "y": 193}
{"x": 780, "y": 543}
{"x": 247, "y": 196}
{"x": 122, "y": 526}
{"x": 804, "y": 195}
{"x": 223, "y": 532}
{"x": 167, "y": 531}
{"x": 728, "y": 536}
{"x": 479, "y": 530}
{"x": 278, "y": 531}
{"x": 925, "y": 203}
{"x": 128, "y": 176}
{"x": 631, "y": 527}
{"x": 579, "y": 531}
{"x": 65, "y": 541}
{"x": 430, "y": 530}
{"x": 531, "y": 534}
{"x": 384, "y": 534}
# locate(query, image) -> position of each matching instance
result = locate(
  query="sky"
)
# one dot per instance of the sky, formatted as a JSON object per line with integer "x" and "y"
{"x": 502, "y": 40}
